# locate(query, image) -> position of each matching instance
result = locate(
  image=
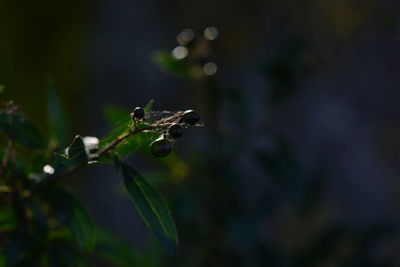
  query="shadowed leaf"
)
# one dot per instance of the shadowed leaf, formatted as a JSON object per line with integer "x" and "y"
{"x": 168, "y": 63}
{"x": 149, "y": 106}
{"x": 76, "y": 154}
{"x": 114, "y": 114}
{"x": 114, "y": 250}
{"x": 133, "y": 143}
{"x": 151, "y": 206}
{"x": 57, "y": 118}
{"x": 70, "y": 212}
{"x": 21, "y": 130}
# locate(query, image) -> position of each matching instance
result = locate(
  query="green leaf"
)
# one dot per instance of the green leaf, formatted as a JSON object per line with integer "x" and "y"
{"x": 1, "y": 91}
{"x": 114, "y": 250}
{"x": 151, "y": 206}
{"x": 117, "y": 162}
{"x": 168, "y": 63}
{"x": 149, "y": 106}
{"x": 70, "y": 212}
{"x": 21, "y": 129}
{"x": 108, "y": 139}
{"x": 57, "y": 118}
{"x": 131, "y": 144}
{"x": 121, "y": 120}
{"x": 114, "y": 114}
{"x": 135, "y": 142}
{"x": 119, "y": 253}
{"x": 76, "y": 154}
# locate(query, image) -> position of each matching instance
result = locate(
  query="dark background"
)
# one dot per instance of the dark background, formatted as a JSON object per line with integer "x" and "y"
{"x": 297, "y": 164}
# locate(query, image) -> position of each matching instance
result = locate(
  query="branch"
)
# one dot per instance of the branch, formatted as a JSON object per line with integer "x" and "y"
{"x": 102, "y": 153}
{"x": 122, "y": 138}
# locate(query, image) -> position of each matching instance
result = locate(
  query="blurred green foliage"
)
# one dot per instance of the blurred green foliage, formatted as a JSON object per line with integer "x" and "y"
{"x": 226, "y": 216}
{"x": 43, "y": 224}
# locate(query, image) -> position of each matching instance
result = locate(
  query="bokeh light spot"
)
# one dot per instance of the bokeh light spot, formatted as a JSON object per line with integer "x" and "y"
{"x": 180, "y": 52}
{"x": 211, "y": 33}
{"x": 210, "y": 68}
{"x": 185, "y": 36}
{"x": 48, "y": 169}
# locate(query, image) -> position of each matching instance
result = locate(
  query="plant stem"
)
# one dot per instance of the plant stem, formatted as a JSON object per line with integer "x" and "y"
{"x": 102, "y": 153}
{"x": 122, "y": 138}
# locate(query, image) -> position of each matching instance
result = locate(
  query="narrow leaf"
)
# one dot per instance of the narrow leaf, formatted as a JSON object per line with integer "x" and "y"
{"x": 76, "y": 154}
{"x": 116, "y": 115}
{"x": 70, "y": 212}
{"x": 151, "y": 206}
{"x": 149, "y": 106}
{"x": 135, "y": 142}
{"x": 57, "y": 118}
{"x": 167, "y": 62}
{"x": 114, "y": 250}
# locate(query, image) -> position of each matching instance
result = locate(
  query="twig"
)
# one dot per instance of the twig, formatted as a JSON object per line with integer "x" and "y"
{"x": 102, "y": 153}
{"x": 122, "y": 138}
